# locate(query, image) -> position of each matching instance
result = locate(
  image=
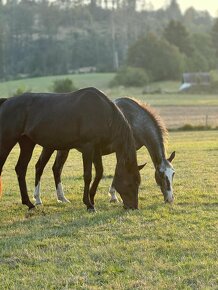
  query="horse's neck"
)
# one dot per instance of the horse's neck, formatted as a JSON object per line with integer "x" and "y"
{"x": 157, "y": 155}
{"x": 155, "y": 146}
{"x": 125, "y": 150}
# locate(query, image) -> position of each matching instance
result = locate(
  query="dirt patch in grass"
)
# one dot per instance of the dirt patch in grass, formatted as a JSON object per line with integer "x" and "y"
{"x": 178, "y": 116}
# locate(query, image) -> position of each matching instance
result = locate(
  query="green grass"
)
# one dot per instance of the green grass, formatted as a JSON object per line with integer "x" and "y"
{"x": 101, "y": 81}
{"x": 44, "y": 84}
{"x": 158, "y": 247}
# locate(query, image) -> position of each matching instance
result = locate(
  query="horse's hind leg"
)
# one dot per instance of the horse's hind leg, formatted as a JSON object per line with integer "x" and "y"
{"x": 40, "y": 165}
{"x": 99, "y": 173}
{"x": 26, "y": 149}
{"x": 112, "y": 193}
{"x": 87, "y": 155}
{"x": 57, "y": 168}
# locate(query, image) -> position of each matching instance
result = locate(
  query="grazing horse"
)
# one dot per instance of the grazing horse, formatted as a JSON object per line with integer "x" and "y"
{"x": 86, "y": 120}
{"x": 148, "y": 130}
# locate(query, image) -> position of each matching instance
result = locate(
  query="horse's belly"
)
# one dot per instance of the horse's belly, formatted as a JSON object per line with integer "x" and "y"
{"x": 64, "y": 137}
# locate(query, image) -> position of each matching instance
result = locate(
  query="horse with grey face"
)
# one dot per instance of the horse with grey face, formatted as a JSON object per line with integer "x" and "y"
{"x": 86, "y": 120}
{"x": 148, "y": 130}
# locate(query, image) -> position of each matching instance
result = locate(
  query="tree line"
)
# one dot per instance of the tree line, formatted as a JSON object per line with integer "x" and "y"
{"x": 39, "y": 37}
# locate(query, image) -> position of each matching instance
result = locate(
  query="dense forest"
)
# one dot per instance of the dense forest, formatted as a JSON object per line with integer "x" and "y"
{"x": 40, "y": 37}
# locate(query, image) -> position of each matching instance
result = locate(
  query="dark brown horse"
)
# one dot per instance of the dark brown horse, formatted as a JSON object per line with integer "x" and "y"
{"x": 148, "y": 130}
{"x": 86, "y": 120}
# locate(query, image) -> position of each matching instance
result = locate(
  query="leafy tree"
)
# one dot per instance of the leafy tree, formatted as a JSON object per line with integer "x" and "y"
{"x": 176, "y": 34}
{"x": 130, "y": 77}
{"x": 214, "y": 34}
{"x": 204, "y": 52}
{"x": 41, "y": 37}
{"x": 173, "y": 10}
{"x": 197, "y": 21}
{"x": 63, "y": 86}
{"x": 196, "y": 63}
{"x": 157, "y": 57}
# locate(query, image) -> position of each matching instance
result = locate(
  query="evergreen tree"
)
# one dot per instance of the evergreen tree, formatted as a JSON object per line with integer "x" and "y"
{"x": 41, "y": 37}
{"x": 173, "y": 10}
{"x": 176, "y": 34}
{"x": 157, "y": 57}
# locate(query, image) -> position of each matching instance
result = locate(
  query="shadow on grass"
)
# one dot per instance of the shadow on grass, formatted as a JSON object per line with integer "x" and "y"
{"x": 205, "y": 204}
{"x": 52, "y": 221}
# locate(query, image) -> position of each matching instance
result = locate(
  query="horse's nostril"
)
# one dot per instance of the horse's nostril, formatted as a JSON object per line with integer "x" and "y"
{"x": 171, "y": 200}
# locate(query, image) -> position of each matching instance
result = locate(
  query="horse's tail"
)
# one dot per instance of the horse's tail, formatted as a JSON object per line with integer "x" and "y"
{"x": 2, "y": 100}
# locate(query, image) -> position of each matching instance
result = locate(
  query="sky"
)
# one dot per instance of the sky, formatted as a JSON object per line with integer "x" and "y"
{"x": 210, "y": 5}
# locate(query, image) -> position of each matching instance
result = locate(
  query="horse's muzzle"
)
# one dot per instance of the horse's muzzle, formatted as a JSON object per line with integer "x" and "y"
{"x": 169, "y": 200}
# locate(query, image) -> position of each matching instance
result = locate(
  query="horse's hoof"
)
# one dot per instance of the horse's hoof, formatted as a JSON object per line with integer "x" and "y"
{"x": 32, "y": 207}
{"x": 38, "y": 200}
{"x": 91, "y": 209}
{"x": 64, "y": 200}
{"x": 31, "y": 211}
{"x": 114, "y": 200}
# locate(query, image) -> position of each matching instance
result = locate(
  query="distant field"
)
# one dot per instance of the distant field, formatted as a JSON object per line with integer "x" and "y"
{"x": 101, "y": 81}
{"x": 176, "y": 109}
{"x": 44, "y": 84}
{"x": 157, "y": 247}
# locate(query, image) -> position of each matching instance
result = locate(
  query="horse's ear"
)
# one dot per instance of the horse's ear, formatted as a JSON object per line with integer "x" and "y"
{"x": 141, "y": 166}
{"x": 172, "y": 156}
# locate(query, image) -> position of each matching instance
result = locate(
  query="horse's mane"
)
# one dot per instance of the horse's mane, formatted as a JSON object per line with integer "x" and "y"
{"x": 124, "y": 132}
{"x": 158, "y": 121}
{"x": 121, "y": 132}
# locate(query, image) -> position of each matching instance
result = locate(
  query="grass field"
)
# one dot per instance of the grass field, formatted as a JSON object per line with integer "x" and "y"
{"x": 61, "y": 246}
{"x": 176, "y": 109}
{"x": 44, "y": 84}
{"x": 157, "y": 247}
{"x": 101, "y": 81}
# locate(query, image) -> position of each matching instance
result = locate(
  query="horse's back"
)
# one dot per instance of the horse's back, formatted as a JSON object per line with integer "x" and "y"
{"x": 61, "y": 120}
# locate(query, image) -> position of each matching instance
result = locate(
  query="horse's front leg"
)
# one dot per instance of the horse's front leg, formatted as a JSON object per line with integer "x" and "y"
{"x": 39, "y": 167}
{"x": 87, "y": 155}
{"x": 112, "y": 193}
{"x": 57, "y": 168}
{"x": 26, "y": 149}
{"x": 98, "y": 176}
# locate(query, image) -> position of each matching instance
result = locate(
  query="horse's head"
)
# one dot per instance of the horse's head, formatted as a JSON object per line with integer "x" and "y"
{"x": 126, "y": 182}
{"x": 164, "y": 174}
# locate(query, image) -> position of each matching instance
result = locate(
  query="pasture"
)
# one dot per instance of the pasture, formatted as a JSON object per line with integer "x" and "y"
{"x": 176, "y": 109}
{"x": 61, "y": 246}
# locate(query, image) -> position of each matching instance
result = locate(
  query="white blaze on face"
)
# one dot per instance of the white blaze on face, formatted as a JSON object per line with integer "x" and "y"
{"x": 169, "y": 175}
